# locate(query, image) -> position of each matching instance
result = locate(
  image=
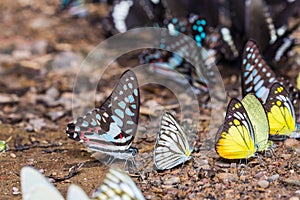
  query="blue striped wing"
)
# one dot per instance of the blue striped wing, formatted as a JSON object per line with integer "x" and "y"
{"x": 114, "y": 124}
{"x": 257, "y": 76}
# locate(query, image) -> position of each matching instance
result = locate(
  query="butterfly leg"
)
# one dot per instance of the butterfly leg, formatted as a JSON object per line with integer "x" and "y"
{"x": 110, "y": 160}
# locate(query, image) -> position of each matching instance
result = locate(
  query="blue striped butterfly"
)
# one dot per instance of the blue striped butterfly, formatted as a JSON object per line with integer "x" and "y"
{"x": 257, "y": 76}
{"x": 118, "y": 185}
{"x": 245, "y": 130}
{"x": 111, "y": 128}
{"x": 280, "y": 111}
{"x": 171, "y": 147}
{"x": 75, "y": 7}
{"x": 169, "y": 63}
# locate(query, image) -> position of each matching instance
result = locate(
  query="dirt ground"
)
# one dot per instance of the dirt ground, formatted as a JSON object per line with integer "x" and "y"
{"x": 40, "y": 53}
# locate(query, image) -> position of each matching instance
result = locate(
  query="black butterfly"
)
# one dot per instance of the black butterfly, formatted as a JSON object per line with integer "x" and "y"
{"x": 257, "y": 76}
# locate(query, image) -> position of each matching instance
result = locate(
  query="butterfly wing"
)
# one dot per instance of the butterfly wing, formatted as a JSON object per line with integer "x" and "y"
{"x": 236, "y": 138}
{"x": 259, "y": 121}
{"x": 76, "y": 193}
{"x": 113, "y": 125}
{"x": 128, "y": 14}
{"x": 280, "y": 111}
{"x": 118, "y": 185}
{"x": 171, "y": 147}
{"x": 258, "y": 77}
{"x": 35, "y": 186}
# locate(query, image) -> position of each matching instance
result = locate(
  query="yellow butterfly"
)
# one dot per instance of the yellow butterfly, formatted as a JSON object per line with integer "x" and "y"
{"x": 245, "y": 130}
{"x": 280, "y": 111}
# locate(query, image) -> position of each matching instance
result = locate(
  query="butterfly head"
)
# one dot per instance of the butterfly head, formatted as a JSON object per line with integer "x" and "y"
{"x": 132, "y": 152}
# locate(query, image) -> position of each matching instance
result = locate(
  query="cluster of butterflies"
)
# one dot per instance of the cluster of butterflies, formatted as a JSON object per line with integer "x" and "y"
{"x": 116, "y": 185}
{"x": 266, "y": 109}
{"x": 221, "y": 27}
{"x": 111, "y": 128}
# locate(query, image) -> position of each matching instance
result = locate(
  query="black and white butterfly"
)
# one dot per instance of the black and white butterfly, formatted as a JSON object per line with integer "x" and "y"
{"x": 255, "y": 19}
{"x": 128, "y": 14}
{"x": 118, "y": 185}
{"x": 111, "y": 128}
{"x": 258, "y": 77}
{"x": 171, "y": 147}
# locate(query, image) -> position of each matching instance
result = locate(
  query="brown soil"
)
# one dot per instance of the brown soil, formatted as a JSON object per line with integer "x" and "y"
{"x": 36, "y": 104}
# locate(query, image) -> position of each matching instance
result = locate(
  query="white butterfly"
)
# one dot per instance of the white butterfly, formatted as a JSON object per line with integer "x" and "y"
{"x": 116, "y": 185}
{"x": 35, "y": 186}
{"x": 171, "y": 147}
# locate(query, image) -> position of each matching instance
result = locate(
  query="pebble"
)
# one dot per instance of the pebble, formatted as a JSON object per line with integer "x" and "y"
{"x": 5, "y": 98}
{"x": 37, "y": 123}
{"x": 21, "y": 54}
{"x": 12, "y": 155}
{"x": 66, "y": 59}
{"x": 54, "y": 115}
{"x": 15, "y": 190}
{"x": 263, "y": 183}
{"x": 40, "y": 47}
{"x": 171, "y": 181}
{"x": 273, "y": 178}
{"x": 52, "y": 92}
{"x": 227, "y": 177}
{"x": 289, "y": 143}
{"x": 286, "y": 156}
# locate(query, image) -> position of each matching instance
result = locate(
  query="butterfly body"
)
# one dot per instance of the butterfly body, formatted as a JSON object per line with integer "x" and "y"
{"x": 111, "y": 128}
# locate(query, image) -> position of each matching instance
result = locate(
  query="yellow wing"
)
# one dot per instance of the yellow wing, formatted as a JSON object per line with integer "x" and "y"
{"x": 280, "y": 111}
{"x": 259, "y": 121}
{"x": 236, "y": 137}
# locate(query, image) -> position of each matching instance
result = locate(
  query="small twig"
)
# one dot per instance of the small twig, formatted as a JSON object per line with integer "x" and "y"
{"x": 72, "y": 172}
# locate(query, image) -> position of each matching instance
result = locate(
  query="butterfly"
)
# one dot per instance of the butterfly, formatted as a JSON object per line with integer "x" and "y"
{"x": 171, "y": 147}
{"x": 238, "y": 22}
{"x": 245, "y": 129}
{"x": 35, "y": 186}
{"x": 177, "y": 52}
{"x": 128, "y": 14}
{"x": 111, "y": 128}
{"x": 257, "y": 76}
{"x": 75, "y": 7}
{"x": 118, "y": 185}
{"x": 280, "y": 111}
